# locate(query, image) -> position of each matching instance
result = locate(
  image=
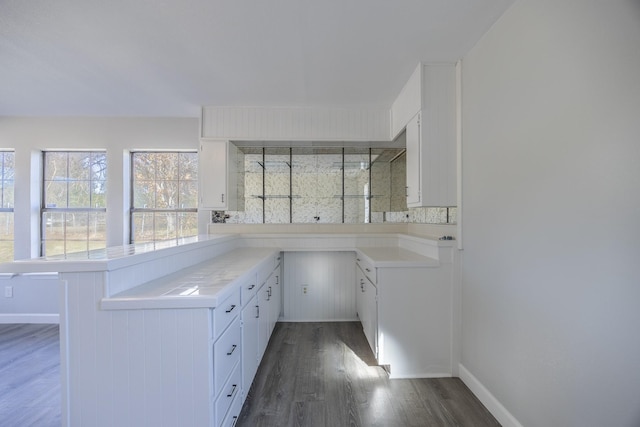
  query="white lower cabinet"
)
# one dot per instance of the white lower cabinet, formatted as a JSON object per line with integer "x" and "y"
{"x": 406, "y": 316}
{"x": 259, "y": 316}
{"x": 226, "y": 352}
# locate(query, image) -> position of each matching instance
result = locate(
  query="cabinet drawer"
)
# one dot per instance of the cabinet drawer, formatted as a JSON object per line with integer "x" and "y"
{"x": 367, "y": 268}
{"x": 229, "y": 393}
{"x": 225, "y": 312}
{"x": 248, "y": 291}
{"x": 226, "y": 354}
{"x": 234, "y": 412}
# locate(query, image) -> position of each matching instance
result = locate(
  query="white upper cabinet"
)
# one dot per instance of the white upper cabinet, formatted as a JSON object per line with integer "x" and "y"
{"x": 218, "y": 175}
{"x": 426, "y": 108}
{"x": 408, "y": 103}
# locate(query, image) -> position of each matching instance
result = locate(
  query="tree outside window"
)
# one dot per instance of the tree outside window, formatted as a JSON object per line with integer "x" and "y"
{"x": 74, "y": 202}
{"x": 164, "y": 195}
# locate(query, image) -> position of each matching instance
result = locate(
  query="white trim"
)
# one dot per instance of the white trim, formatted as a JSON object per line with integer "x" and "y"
{"x": 29, "y": 318}
{"x": 504, "y": 417}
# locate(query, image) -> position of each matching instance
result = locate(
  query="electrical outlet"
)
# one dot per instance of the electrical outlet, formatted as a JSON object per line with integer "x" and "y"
{"x": 305, "y": 289}
{"x": 8, "y": 291}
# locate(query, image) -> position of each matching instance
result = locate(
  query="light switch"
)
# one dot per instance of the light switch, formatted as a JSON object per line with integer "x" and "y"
{"x": 8, "y": 291}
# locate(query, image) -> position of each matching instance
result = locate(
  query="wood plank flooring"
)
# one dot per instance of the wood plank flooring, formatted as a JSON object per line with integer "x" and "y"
{"x": 313, "y": 374}
{"x": 324, "y": 374}
{"x": 29, "y": 375}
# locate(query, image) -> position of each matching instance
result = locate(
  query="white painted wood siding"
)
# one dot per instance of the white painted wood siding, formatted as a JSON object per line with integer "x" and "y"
{"x": 123, "y": 357}
{"x": 330, "y": 277}
{"x": 296, "y": 123}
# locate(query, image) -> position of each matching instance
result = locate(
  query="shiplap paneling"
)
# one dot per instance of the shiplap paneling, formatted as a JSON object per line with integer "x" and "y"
{"x": 132, "y": 367}
{"x": 330, "y": 277}
{"x": 296, "y": 123}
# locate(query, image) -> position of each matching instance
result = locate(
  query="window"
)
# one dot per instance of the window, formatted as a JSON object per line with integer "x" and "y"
{"x": 74, "y": 201}
{"x": 7, "y": 177}
{"x": 165, "y": 195}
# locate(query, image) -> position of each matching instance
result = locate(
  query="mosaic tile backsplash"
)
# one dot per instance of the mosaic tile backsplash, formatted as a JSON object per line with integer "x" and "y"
{"x": 308, "y": 188}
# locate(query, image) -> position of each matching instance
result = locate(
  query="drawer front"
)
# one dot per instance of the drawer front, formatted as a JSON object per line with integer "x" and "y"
{"x": 226, "y": 355}
{"x": 265, "y": 270}
{"x": 234, "y": 413}
{"x": 230, "y": 392}
{"x": 248, "y": 290}
{"x": 225, "y": 312}
{"x": 367, "y": 268}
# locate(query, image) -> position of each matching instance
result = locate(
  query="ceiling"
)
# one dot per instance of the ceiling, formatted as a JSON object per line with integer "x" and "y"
{"x": 169, "y": 57}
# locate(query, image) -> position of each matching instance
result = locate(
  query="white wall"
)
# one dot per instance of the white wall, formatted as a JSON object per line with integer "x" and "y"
{"x": 551, "y": 208}
{"x": 29, "y": 136}
{"x": 32, "y": 296}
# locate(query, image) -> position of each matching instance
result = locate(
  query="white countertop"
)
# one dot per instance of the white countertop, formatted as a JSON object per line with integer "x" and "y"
{"x": 202, "y": 285}
{"x": 393, "y": 257}
{"x": 109, "y": 258}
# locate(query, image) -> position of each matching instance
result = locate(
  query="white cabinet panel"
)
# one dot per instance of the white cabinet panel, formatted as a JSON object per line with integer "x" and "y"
{"x": 430, "y": 135}
{"x": 249, "y": 344}
{"x": 413, "y": 162}
{"x": 318, "y": 286}
{"x": 218, "y": 175}
{"x": 367, "y": 306}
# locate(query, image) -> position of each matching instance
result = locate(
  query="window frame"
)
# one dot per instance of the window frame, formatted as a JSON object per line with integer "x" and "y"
{"x": 45, "y": 209}
{"x": 133, "y": 210}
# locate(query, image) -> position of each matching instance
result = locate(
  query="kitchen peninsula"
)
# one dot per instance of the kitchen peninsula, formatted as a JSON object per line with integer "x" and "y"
{"x": 172, "y": 333}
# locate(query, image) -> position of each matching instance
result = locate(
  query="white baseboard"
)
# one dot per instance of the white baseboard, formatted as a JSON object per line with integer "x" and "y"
{"x": 494, "y": 406}
{"x": 29, "y": 318}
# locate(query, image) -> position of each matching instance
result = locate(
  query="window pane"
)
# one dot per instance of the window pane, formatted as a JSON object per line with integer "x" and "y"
{"x": 79, "y": 194}
{"x": 97, "y": 226}
{"x": 164, "y": 181}
{"x": 98, "y": 169}
{"x": 166, "y": 166}
{"x": 188, "y": 166}
{"x": 55, "y": 166}
{"x": 8, "y": 194}
{"x": 166, "y": 194}
{"x": 53, "y": 224}
{"x": 143, "y": 228}
{"x": 144, "y": 167}
{"x": 79, "y": 166}
{"x": 6, "y": 236}
{"x": 55, "y": 194}
{"x": 188, "y": 224}
{"x": 74, "y": 180}
{"x": 165, "y": 226}
{"x": 53, "y": 247}
{"x": 188, "y": 196}
{"x": 144, "y": 194}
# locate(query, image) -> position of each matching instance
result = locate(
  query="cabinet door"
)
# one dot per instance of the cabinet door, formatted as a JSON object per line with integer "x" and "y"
{"x": 413, "y": 161}
{"x": 263, "y": 319}
{"x": 371, "y": 309}
{"x": 249, "y": 344}
{"x": 360, "y": 280}
{"x": 274, "y": 300}
{"x": 213, "y": 172}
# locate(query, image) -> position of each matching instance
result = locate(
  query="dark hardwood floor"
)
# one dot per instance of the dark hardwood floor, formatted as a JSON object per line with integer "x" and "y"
{"x": 324, "y": 374}
{"x": 312, "y": 374}
{"x": 29, "y": 375}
